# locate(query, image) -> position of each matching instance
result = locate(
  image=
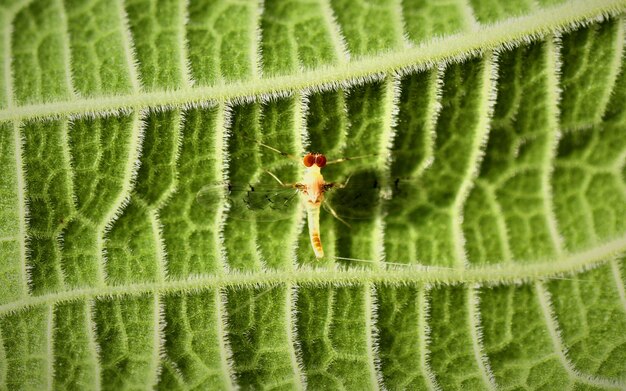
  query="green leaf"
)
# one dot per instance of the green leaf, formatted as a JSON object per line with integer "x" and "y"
{"x": 487, "y": 211}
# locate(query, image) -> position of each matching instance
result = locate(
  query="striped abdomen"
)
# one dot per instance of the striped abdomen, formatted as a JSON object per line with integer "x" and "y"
{"x": 313, "y": 215}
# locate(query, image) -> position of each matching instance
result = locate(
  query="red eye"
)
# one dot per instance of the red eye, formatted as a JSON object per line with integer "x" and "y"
{"x": 320, "y": 160}
{"x": 308, "y": 160}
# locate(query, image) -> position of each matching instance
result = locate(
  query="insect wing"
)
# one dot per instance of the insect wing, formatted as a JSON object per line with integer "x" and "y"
{"x": 249, "y": 202}
{"x": 363, "y": 194}
{"x": 359, "y": 199}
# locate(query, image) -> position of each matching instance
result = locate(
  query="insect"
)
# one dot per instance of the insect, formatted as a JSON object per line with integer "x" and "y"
{"x": 312, "y": 189}
{"x": 270, "y": 203}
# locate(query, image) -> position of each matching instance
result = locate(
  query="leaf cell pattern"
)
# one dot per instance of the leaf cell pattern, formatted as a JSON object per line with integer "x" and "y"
{"x": 490, "y": 255}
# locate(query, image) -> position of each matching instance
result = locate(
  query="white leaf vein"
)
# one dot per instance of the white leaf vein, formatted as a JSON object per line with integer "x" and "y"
{"x": 411, "y": 274}
{"x": 439, "y": 50}
{"x": 551, "y": 322}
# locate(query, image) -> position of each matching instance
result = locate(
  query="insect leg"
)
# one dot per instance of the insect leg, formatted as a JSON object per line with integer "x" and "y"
{"x": 333, "y": 185}
{"x": 279, "y": 181}
{"x": 335, "y": 215}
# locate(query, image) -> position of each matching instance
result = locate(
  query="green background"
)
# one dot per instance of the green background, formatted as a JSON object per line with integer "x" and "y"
{"x": 498, "y": 263}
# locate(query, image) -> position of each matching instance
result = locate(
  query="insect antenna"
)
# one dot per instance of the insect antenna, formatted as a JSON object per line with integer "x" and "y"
{"x": 345, "y": 159}
{"x": 282, "y": 153}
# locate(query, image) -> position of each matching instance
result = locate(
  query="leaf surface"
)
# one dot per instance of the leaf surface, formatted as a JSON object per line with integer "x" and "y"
{"x": 488, "y": 231}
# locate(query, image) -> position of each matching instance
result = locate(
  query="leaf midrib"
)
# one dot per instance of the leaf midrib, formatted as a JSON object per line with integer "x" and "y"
{"x": 440, "y": 50}
{"x": 511, "y": 273}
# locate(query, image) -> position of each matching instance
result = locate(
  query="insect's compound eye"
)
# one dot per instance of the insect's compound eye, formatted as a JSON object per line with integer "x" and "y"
{"x": 308, "y": 160}
{"x": 320, "y": 160}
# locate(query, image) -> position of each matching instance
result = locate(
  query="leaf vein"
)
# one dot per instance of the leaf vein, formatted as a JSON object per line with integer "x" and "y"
{"x": 481, "y": 358}
{"x": 129, "y": 50}
{"x": 489, "y": 82}
{"x": 453, "y": 48}
{"x": 92, "y": 344}
{"x": 50, "y": 347}
{"x": 22, "y": 209}
{"x": 543, "y": 296}
{"x": 8, "y": 74}
{"x": 256, "y": 55}
{"x": 226, "y": 354}
{"x": 495, "y": 274}
{"x": 185, "y": 64}
{"x": 553, "y": 66}
{"x": 339, "y": 40}
{"x": 292, "y": 340}
{"x": 471, "y": 22}
{"x": 499, "y": 216}
{"x": 373, "y": 361}
{"x": 615, "y": 66}
{"x": 424, "y": 339}
{"x": 158, "y": 340}
{"x": 619, "y": 283}
{"x": 130, "y": 170}
{"x": 67, "y": 56}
